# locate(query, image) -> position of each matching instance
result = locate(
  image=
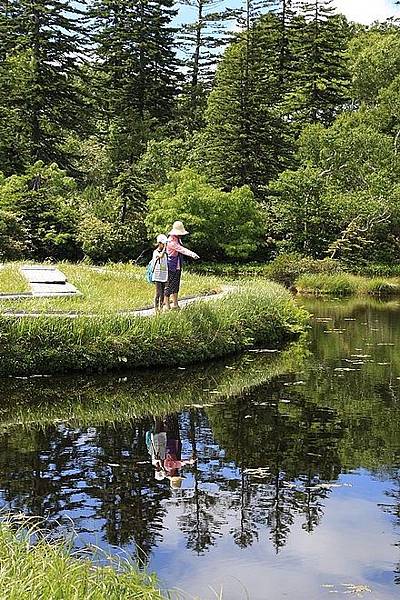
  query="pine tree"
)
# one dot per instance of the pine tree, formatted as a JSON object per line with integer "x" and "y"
{"x": 201, "y": 42}
{"x": 53, "y": 35}
{"x": 246, "y": 134}
{"x": 321, "y": 75}
{"x": 8, "y": 27}
{"x": 137, "y": 71}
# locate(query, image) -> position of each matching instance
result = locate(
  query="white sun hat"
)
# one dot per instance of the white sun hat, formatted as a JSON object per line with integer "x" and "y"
{"x": 162, "y": 239}
{"x": 178, "y": 229}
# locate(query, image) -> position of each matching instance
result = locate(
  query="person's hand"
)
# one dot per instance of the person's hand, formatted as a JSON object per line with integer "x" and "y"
{"x": 196, "y": 257}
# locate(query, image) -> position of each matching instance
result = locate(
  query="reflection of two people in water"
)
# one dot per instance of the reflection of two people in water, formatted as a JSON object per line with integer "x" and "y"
{"x": 165, "y": 448}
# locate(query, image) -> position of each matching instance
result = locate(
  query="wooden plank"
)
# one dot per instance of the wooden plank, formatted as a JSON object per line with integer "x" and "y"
{"x": 46, "y": 289}
{"x": 43, "y": 275}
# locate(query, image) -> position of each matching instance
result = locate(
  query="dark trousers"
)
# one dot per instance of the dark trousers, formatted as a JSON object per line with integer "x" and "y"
{"x": 159, "y": 298}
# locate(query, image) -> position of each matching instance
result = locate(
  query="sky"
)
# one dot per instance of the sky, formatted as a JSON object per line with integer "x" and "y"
{"x": 367, "y": 11}
{"x": 361, "y": 11}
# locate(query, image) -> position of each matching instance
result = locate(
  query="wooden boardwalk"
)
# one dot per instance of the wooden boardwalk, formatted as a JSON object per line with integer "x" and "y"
{"x": 144, "y": 312}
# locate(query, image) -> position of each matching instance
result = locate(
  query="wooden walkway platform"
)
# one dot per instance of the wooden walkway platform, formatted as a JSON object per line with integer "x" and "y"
{"x": 45, "y": 282}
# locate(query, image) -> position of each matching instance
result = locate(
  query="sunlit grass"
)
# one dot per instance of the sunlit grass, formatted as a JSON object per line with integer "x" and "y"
{"x": 34, "y": 568}
{"x": 113, "y": 288}
{"x": 346, "y": 284}
{"x": 255, "y": 313}
{"x": 11, "y": 279}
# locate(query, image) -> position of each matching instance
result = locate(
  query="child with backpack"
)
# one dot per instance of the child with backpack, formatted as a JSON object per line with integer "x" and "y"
{"x": 160, "y": 270}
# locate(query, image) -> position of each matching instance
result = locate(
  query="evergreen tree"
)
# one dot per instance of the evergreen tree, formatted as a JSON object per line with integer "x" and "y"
{"x": 321, "y": 75}
{"x": 246, "y": 135}
{"x": 137, "y": 71}
{"x": 51, "y": 37}
{"x": 201, "y": 41}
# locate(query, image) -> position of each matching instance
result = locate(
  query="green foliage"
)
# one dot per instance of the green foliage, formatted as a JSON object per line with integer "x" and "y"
{"x": 286, "y": 268}
{"x": 343, "y": 197}
{"x": 137, "y": 71}
{"x": 44, "y": 202}
{"x": 12, "y": 236}
{"x": 254, "y": 314}
{"x": 374, "y": 63}
{"x": 346, "y": 284}
{"x": 321, "y": 77}
{"x": 245, "y": 141}
{"x": 162, "y": 157}
{"x": 39, "y": 569}
{"x": 103, "y": 241}
{"x": 45, "y": 104}
{"x": 224, "y": 224}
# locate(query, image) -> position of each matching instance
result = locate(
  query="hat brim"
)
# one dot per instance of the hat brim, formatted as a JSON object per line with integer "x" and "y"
{"x": 179, "y": 233}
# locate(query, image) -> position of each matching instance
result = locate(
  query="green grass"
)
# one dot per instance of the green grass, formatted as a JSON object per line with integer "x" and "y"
{"x": 109, "y": 289}
{"x": 11, "y": 280}
{"x": 254, "y": 314}
{"x": 33, "y": 568}
{"x": 346, "y": 284}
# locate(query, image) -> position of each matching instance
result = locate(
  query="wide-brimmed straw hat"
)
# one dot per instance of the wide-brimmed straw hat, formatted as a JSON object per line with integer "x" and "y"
{"x": 175, "y": 482}
{"x": 178, "y": 229}
{"x": 162, "y": 239}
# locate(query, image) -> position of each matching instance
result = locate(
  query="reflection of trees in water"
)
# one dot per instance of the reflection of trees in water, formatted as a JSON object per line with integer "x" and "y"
{"x": 263, "y": 458}
{"x": 202, "y": 511}
{"x": 295, "y": 449}
{"x": 65, "y": 473}
{"x": 130, "y": 499}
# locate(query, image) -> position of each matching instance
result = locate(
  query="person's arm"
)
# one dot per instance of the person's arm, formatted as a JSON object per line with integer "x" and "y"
{"x": 179, "y": 248}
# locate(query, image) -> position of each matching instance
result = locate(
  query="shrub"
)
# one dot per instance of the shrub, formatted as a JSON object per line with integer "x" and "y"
{"x": 286, "y": 268}
{"x": 103, "y": 241}
{"x": 44, "y": 200}
{"x": 222, "y": 224}
{"x": 12, "y": 236}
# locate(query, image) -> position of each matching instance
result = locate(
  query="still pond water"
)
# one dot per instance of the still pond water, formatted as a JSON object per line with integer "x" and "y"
{"x": 295, "y": 491}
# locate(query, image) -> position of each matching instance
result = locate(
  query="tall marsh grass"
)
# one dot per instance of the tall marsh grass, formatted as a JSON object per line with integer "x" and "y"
{"x": 34, "y": 568}
{"x": 346, "y": 284}
{"x": 255, "y": 314}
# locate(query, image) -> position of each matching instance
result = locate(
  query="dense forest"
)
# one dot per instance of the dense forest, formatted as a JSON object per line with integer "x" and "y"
{"x": 270, "y": 128}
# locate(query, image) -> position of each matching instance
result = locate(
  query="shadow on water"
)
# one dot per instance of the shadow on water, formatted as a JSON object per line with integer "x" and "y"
{"x": 284, "y": 468}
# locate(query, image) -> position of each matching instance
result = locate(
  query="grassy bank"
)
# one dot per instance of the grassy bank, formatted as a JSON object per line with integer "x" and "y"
{"x": 255, "y": 314}
{"x": 109, "y": 289}
{"x": 346, "y": 284}
{"x": 47, "y": 571}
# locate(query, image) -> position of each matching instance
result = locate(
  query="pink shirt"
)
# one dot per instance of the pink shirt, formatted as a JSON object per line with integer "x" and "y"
{"x": 174, "y": 248}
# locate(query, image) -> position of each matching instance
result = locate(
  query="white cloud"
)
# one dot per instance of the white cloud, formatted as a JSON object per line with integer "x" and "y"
{"x": 367, "y": 11}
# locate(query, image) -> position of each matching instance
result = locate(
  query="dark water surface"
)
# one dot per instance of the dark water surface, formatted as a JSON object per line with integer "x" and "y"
{"x": 295, "y": 492}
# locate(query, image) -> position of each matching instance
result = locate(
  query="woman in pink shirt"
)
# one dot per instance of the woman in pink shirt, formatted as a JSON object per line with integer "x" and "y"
{"x": 175, "y": 251}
